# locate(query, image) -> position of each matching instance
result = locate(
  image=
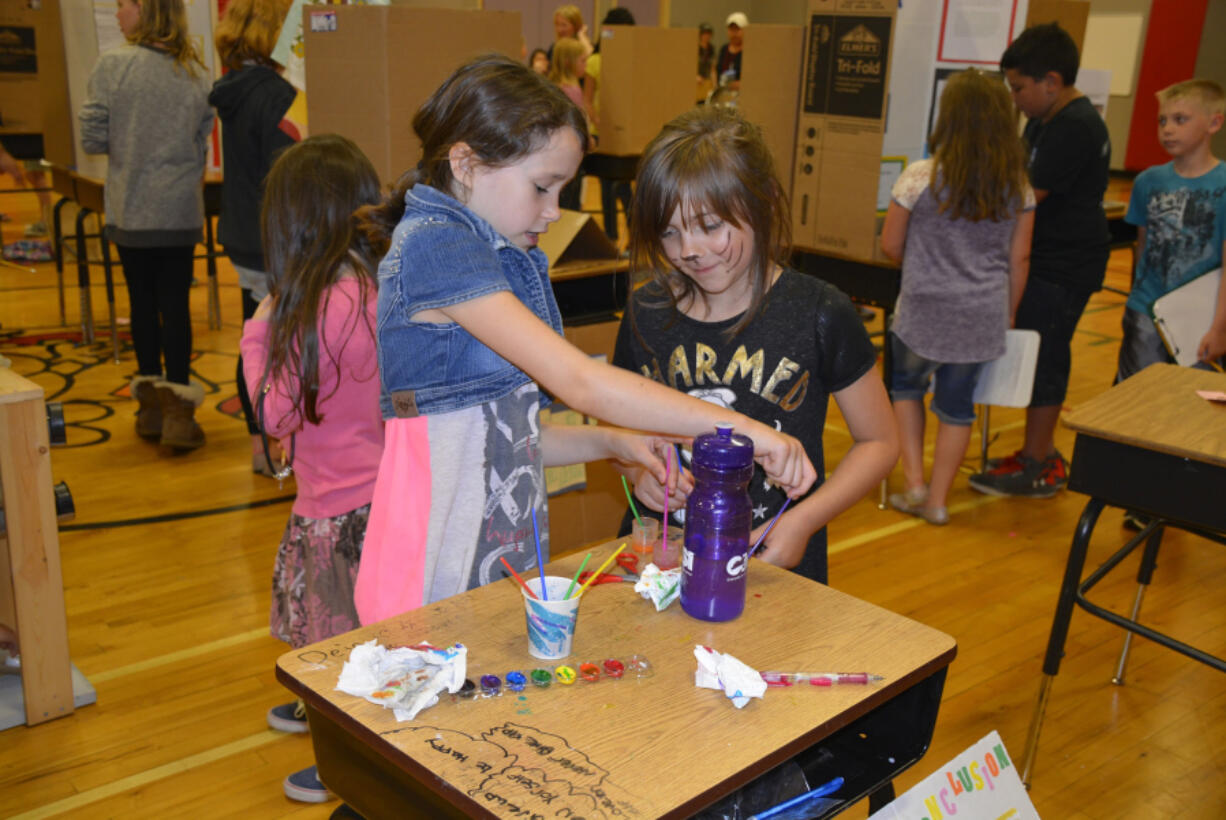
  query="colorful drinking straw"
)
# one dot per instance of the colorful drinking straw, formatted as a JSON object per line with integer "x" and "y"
{"x": 540, "y": 559}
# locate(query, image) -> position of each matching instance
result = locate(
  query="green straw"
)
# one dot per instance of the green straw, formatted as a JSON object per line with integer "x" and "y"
{"x": 578, "y": 572}
{"x": 630, "y": 498}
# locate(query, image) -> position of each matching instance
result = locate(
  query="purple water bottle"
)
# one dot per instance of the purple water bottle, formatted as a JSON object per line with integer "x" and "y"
{"x": 717, "y": 518}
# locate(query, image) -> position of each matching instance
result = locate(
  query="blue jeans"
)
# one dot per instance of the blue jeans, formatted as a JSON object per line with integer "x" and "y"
{"x": 953, "y": 399}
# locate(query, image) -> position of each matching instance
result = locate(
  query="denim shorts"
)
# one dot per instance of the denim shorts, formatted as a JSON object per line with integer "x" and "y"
{"x": 1054, "y": 311}
{"x": 1141, "y": 347}
{"x": 953, "y": 396}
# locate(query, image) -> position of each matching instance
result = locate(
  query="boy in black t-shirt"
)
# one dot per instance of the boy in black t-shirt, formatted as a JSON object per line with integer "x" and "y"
{"x": 1069, "y": 150}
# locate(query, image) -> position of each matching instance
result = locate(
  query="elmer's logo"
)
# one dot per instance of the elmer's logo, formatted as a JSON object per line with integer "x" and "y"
{"x": 860, "y": 42}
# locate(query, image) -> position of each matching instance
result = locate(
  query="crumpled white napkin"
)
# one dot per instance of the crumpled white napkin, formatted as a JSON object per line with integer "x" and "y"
{"x": 719, "y": 671}
{"x": 660, "y": 586}
{"x": 406, "y": 679}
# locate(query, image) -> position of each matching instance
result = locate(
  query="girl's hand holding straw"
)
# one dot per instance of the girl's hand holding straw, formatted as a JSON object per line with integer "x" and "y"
{"x": 782, "y": 541}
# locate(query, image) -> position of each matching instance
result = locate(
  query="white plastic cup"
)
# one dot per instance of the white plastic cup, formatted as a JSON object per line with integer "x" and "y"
{"x": 551, "y": 624}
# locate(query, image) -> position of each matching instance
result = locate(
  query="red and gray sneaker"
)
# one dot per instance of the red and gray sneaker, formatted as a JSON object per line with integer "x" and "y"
{"x": 1019, "y": 475}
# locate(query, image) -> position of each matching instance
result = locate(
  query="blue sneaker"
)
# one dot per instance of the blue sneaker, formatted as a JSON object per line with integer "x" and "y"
{"x": 289, "y": 717}
{"x": 304, "y": 786}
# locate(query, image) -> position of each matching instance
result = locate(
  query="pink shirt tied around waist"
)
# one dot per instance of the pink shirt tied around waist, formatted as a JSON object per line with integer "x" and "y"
{"x": 335, "y": 461}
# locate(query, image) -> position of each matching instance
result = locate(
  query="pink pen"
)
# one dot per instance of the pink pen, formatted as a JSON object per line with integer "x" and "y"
{"x": 817, "y": 678}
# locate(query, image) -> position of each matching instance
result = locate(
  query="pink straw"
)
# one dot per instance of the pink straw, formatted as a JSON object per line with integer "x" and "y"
{"x": 668, "y": 465}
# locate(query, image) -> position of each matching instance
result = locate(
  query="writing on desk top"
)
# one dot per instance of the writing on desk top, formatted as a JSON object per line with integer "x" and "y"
{"x": 515, "y": 770}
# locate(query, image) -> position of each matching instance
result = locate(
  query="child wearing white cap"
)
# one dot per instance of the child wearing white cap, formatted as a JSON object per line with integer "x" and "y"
{"x": 728, "y": 67}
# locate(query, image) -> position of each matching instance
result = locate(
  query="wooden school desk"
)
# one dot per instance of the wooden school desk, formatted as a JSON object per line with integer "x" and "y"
{"x": 1148, "y": 444}
{"x": 630, "y": 748}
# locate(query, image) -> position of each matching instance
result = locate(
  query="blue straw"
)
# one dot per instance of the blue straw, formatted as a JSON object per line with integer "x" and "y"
{"x": 540, "y": 559}
{"x": 769, "y": 526}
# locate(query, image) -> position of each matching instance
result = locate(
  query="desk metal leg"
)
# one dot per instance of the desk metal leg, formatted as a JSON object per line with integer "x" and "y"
{"x": 1145, "y": 574}
{"x": 57, "y": 235}
{"x": 87, "y": 306}
{"x": 1059, "y": 628}
{"x": 110, "y": 295}
{"x": 210, "y": 263}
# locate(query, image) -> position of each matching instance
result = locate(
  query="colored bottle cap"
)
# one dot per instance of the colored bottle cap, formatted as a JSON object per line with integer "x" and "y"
{"x": 614, "y": 668}
{"x": 516, "y": 681}
{"x": 590, "y": 672}
{"x": 723, "y": 449}
{"x": 468, "y": 689}
{"x": 565, "y": 675}
{"x": 541, "y": 677}
{"x": 491, "y": 684}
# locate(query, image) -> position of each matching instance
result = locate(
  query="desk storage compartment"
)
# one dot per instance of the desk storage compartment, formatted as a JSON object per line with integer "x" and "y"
{"x": 871, "y": 751}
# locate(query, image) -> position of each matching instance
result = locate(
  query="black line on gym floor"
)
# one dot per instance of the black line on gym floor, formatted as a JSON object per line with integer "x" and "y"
{"x": 161, "y": 519}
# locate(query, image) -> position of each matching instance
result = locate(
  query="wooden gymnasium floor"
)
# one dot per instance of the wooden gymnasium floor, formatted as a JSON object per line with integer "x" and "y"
{"x": 167, "y": 567}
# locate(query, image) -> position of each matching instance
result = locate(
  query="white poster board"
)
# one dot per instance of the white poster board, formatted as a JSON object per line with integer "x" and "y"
{"x": 976, "y": 31}
{"x": 1113, "y": 42}
{"x": 979, "y": 784}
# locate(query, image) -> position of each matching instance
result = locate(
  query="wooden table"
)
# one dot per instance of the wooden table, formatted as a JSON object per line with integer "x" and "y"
{"x": 1152, "y": 445}
{"x": 633, "y": 748}
{"x": 31, "y": 587}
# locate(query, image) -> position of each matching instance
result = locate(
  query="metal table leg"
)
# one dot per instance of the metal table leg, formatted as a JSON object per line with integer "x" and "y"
{"x": 210, "y": 263}
{"x": 57, "y": 227}
{"x": 87, "y": 308}
{"x": 1059, "y": 628}
{"x": 1149, "y": 560}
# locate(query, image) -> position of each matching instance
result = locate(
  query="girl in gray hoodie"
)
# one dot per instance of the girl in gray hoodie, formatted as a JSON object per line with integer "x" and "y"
{"x": 147, "y": 110}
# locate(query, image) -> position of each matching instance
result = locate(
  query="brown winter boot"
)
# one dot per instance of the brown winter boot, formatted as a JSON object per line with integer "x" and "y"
{"x": 179, "y": 402}
{"x": 149, "y": 414}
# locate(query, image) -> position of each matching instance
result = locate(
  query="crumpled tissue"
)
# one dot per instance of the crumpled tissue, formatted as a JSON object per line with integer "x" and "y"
{"x": 406, "y": 679}
{"x": 660, "y": 586}
{"x": 719, "y": 671}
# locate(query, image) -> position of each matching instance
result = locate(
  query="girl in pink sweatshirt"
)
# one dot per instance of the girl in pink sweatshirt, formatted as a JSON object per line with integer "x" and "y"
{"x": 310, "y": 363}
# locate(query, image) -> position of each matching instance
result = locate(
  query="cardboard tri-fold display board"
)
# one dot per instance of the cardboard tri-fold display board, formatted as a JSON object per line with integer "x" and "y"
{"x": 646, "y": 79}
{"x": 844, "y": 83}
{"x": 369, "y": 68}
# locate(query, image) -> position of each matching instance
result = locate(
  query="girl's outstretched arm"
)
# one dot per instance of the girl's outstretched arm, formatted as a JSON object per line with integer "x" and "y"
{"x": 505, "y": 325}
{"x": 866, "y": 408}
{"x": 573, "y": 444}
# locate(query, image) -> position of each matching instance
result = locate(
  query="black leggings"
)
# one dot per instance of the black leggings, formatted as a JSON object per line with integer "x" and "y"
{"x": 159, "y": 286}
{"x": 240, "y": 381}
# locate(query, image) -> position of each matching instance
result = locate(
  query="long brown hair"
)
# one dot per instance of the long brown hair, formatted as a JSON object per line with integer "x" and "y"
{"x": 248, "y": 32}
{"x": 310, "y": 241}
{"x": 502, "y": 110}
{"x": 163, "y": 25}
{"x": 714, "y": 160}
{"x": 980, "y": 164}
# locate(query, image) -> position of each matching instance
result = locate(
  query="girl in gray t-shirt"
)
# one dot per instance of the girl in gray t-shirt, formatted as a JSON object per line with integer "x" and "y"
{"x": 960, "y": 223}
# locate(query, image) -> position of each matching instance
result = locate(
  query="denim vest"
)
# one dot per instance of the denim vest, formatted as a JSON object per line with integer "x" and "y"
{"x": 443, "y": 254}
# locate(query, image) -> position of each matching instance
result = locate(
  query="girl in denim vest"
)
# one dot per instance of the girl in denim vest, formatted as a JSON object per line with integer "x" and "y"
{"x": 309, "y": 360}
{"x": 468, "y": 327}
